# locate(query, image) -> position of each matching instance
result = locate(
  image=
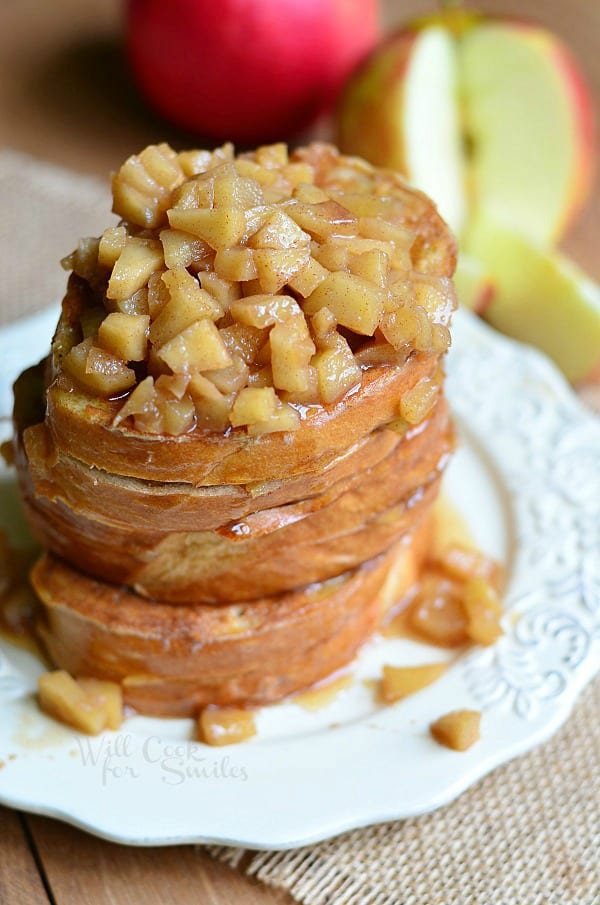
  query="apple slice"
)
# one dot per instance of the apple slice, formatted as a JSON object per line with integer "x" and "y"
{"x": 529, "y": 123}
{"x": 474, "y": 285}
{"x": 400, "y": 110}
{"x": 540, "y": 297}
{"x": 488, "y": 116}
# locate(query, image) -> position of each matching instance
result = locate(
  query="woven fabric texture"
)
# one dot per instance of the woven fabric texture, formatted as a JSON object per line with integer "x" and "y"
{"x": 45, "y": 210}
{"x": 528, "y": 834}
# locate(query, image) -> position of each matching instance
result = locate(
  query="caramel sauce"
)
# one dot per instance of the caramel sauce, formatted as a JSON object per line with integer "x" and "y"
{"x": 37, "y": 735}
{"x": 449, "y": 527}
{"x": 399, "y": 626}
{"x": 18, "y": 603}
{"x": 322, "y": 694}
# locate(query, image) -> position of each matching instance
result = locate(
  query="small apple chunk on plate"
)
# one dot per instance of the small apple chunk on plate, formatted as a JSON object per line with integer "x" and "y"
{"x": 485, "y": 115}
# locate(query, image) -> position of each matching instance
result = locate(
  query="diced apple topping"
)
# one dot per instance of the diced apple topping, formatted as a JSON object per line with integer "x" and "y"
{"x": 109, "y": 697}
{"x": 88, "y": 705}
{"x": 464, "y": 564}
{"x": 284, "y": 418}
{"x": 262, "y": 271}
{"x": 98, "y": 371}
{"x": 291, "y": 352}
{"x": 197, "y": 348}
{"x": 418, "y": 402}
{"x": 306, "y": 280}
{"x": 183, "y": 250}
{"x": 220, "y": 228}
{"x": 160, "y": 407}
{"x": 253, "y": 404}
{"x": 225, "y": 726}
{"x": 237, "y": 264}
{"x": 125, "y": 335}
{"x": 133, "y": 268}
{"x": 112, "y": 243}
{"x": 336, "y": 367}
{"x": 438, "y": 612}
{"x": 399, "y": 682}
{"x": 483, "y": 608}
{"x": 457, "y": 599}
{"x": 458, "y": 730}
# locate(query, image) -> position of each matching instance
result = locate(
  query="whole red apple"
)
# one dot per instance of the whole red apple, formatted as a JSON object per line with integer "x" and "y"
{"x": 246, "y": 70}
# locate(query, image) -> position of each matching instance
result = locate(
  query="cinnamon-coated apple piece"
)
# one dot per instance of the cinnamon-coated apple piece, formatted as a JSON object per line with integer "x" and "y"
{"x": 220, "y": 228}
{"x": 125, "y": 335}
{"x": 484, "y": 609}
{"x": 197, "y": 348}
{"x": 181, "y": 249}
{"x": 139, "y": 259}
{"x": 112, "y": 243}
{"x": 183, "y": 309}
{"x": 225, "y": 726}
{"x": 97, "y": 370}
{"x": 400, "y": 682}
{"x": 267, "y": 71}
{"x": 142, "y": 187}
{"x": 336, "y": 367}
{"x": 474, "y": 285}
{"x": 438, "y": 612}
{"x": 252, "y": 405}
{"x": 291, "y": 352}
{"x": 458, "y": 730}
{"x": 355, "y": 302}
{"x": 109, "y": 696}
{"x": 89, "y": 705}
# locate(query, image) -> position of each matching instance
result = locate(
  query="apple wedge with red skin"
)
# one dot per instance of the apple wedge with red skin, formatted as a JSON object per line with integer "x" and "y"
{"x": 486, "y": 115}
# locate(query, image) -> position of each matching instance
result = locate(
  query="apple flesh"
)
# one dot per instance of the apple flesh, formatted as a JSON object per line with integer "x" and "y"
{"x": 529, "y": 119}
{"x": 488, "y": 117}
{"x": 540, "y": 297}
{"x": 474, "y": 284}
{"x": 401, "y": 111}
{"x": 246, "y": 71}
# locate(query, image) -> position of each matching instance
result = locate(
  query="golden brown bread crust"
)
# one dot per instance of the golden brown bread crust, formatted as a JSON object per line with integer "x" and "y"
{"x": 80, "y": 426}
{"x": 132, "y": 502}
{"x": 270, "y": 551}
{"x": 204, "y": 567}
{"x": 283, "y": 547}
{"x": 173, "y": 660}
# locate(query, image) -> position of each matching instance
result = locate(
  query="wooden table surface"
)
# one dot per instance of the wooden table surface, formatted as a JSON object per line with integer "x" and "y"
{"x": 65, "y": 97}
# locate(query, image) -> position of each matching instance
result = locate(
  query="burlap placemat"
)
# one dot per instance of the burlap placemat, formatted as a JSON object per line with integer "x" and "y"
{"x": 43, "y": 212}
{"x": 528, "y": 834}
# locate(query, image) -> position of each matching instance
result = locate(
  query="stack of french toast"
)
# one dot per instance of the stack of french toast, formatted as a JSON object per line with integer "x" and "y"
{"x": 230, "y": 455}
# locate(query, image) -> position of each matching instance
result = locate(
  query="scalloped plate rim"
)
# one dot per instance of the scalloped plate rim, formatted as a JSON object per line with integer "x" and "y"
{"x": 543, "y": 386}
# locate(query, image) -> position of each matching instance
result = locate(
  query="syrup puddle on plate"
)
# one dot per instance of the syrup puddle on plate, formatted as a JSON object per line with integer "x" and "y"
{"x": 322, "y": 694}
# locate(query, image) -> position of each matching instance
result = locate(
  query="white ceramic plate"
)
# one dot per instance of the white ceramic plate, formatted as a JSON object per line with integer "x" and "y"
{"x": 527, "y": 479}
